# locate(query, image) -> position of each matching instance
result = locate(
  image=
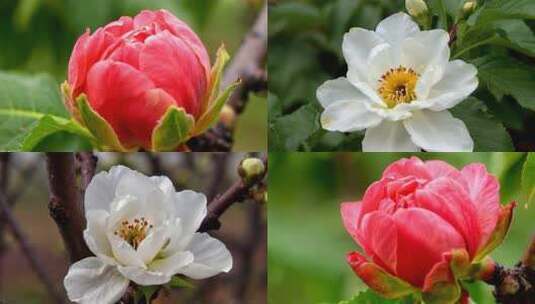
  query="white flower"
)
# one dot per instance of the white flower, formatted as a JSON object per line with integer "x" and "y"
{"x": 141, "y": 230}
{"x": 399, "y": 86}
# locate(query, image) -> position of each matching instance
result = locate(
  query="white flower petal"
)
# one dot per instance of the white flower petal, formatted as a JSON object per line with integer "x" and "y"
{"x": 144, "y": 189}
{"x": 348, "y": 116}
{"x": 439, "y": 132}
{"x": 426, "y": 48}
{"x": 356, "y": 47}
{"x": 340, "y": 89}
{"x": 171, "y": 265}
{"x": 153, "y": 243}
{"x": 381, "y": 60}
{"x": 396, "y": 28}
{"x": 95, "y": 234}
{"x": 101, "y": 190}
{"x": 144, "y": 277}
{"x": 124, "y": 253}
{"x": 90, "y": 281}
{"x": 210, "y": 257}
{"x": 366, "y": 89}
{"x": 190, "y": 207}
{"x": 458, "y": 82}
{"x": 389, "y": 136}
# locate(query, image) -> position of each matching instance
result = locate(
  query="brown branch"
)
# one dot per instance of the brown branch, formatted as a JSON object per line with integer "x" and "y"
{"x": 238, "y": 192}
{"x": 247, "y": 65}
{"x": 27, "y": 250}
{"x": 65, "y": 205}
{"x": 88, "y": 165}
{"x": 516, "y": 285}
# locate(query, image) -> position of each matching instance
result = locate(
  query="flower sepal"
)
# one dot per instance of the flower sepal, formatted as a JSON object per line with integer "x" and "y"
{"x": 106, "y": 138}
{"x": 379, "y": 279}
{"x": 214, "y": 100}
{"x": 173, "y": 130}
{"x": 502, "y": 226}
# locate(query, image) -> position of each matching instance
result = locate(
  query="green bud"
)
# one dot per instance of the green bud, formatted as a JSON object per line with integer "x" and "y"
{"x": 469, "y": 6}
{"x": 416, "y": 8}
{"x": 251, "y": 169}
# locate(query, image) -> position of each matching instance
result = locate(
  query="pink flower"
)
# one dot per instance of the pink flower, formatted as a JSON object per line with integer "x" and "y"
{"x": 425, "y": 225}
{"x": 133, "y": 70}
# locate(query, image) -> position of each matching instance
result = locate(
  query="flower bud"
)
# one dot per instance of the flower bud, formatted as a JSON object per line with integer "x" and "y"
{"x": 469, "y": 7}
{"x": 416, "y": 8}
{"x": 251, "y": 169}
{"x": 143, "y": 82}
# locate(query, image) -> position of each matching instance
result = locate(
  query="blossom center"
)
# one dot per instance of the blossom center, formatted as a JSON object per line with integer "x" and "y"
{"x": 397, "y": 86}
{"x": 134, "y": 232}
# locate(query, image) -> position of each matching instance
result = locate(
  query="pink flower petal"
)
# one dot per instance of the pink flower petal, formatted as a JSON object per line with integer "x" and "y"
{"x": 180, "y": 75}
{"x": 407, "y": 167}
{"x": 423, "y": 237}
{"x": 381, "y": 235}
{"x": 114, "y": 89}
{"x": 484, "y": 190}
{"x": 448, "y": 199}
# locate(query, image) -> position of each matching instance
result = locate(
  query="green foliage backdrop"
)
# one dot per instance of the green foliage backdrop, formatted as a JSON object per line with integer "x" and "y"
{"x": 37, "y": 37}
{"x": 307, "y": 241}
{"x": 305, "y": 38}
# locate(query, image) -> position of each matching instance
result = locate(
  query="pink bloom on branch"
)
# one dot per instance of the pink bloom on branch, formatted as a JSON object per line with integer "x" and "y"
{"x": 133, "y": 70}
{"x": 425, "y": 225}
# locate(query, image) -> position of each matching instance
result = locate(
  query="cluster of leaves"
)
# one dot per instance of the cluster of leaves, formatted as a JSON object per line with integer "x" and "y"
{"x": 39, "y": 36}
{"x": 305, "y": 40}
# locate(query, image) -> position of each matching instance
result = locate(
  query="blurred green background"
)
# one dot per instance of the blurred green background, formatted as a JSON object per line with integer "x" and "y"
{"x": 308, "y": 243}
{"x": 38, "y": 36}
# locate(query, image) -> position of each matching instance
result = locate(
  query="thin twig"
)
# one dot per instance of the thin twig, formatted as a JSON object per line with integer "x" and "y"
{"x": 27, "y": 250}
{"x": 247, "y": 65}
{"x": 236, "y": 193}
{"x": 65, "y": 204}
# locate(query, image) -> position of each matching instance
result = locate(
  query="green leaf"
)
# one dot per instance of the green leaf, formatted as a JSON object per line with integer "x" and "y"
{"x": 215, "y": 77}
{"x": 287, "y": 133}
{"x": 101, "y": 130}
{"x": 506, "y": 76}
{"x": 49, "y": 125}
{"x": 517, "y": 35}
{"x": 369, "y": 297}
{"x": 212, "y": 113}
{"x": 24, "y": 100}
{"x": 293, "y": 17}
{"x": 503, "y": 9}
{"x": 178, "y": 282}
{"x": 528, "y": 178}
{"x": 487, "y": 132}
{"x": 172, "y": 130}
{"x": 149, "y": 291}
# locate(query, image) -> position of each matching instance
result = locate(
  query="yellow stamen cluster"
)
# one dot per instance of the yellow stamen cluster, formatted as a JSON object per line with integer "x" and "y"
{"x": 398, "y": 86}
{"x": 133, "y": 232}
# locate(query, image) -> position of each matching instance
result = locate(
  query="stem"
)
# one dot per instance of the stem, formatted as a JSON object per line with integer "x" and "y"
{"x": 473, "y": 46}
{"x": 238, "y": 192}
{"x": 65, "y": 204}
{"x": 27, "y": 250}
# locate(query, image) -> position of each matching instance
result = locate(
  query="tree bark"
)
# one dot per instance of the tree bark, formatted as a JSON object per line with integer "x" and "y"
{"x": 65, "y": 205}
